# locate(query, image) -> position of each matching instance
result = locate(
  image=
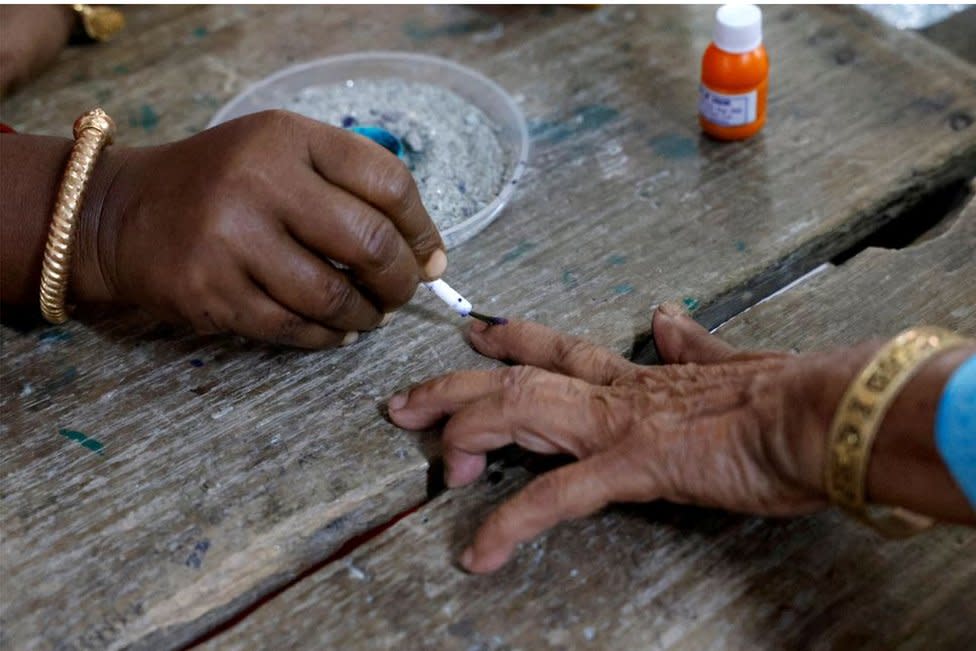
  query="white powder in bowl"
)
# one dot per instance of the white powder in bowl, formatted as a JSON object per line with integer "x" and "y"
{"x": 452, "y": 147}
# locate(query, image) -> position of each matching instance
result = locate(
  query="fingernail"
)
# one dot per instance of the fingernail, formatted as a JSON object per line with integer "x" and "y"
{"x": 478, "y": 326}
{"x": 467, "y": 557}
{"x": 386, "y": 319}
{"x": 398, "y": 401}
{"x": 436, "y": 264}
{"x": 672, "y": 308}
{"x": 350, "y": 338}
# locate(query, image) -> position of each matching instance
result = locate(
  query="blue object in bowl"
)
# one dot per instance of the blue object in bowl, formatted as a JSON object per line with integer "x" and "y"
{"x": 383, "y": 138}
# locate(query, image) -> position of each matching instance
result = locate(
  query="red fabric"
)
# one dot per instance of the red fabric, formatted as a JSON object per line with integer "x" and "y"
{"x": 5, "y": 129}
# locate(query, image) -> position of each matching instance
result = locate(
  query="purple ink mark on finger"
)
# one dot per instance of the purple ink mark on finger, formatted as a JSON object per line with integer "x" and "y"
{"x": 490, "y": 320}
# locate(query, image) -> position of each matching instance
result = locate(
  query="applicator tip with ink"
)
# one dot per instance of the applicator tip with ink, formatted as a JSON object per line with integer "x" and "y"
{"x": 460, "y": 304}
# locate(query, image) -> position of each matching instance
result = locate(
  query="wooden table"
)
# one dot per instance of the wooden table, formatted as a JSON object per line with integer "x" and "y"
{"x": 161, "y": 490}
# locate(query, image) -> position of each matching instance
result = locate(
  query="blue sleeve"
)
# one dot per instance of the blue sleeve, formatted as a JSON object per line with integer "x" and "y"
{"x": 955, "y": 427}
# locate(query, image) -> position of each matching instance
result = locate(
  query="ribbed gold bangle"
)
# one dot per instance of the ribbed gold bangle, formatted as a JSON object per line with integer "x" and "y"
{"x": 92, "y": 132}
{"x": 859, "y": 416}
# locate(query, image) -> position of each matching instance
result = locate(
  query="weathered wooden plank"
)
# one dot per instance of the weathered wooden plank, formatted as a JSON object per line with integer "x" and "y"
{"x": 668, "y": 577}
{"x": 217, "y": 483}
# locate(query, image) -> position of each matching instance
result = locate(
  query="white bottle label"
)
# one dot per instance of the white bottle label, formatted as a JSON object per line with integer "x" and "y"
{"x": 727, "y": 110}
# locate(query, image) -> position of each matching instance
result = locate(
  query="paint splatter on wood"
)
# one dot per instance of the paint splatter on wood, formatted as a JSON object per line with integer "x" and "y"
{"x": 85, "y": 441}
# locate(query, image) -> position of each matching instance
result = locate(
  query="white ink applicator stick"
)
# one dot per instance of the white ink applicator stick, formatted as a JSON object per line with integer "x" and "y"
{"x": 441, "y": 289}
{"x": 459, "y": 304}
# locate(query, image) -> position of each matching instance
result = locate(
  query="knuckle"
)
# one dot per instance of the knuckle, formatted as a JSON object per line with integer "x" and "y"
{"x": 548, "y": 491}
{"x": 687, "y": 372}
{"x": 515, "y": 381}
{"x": 252, "y": 135}
{"x": 285, "y": 330}
{"x": 579, "y": 350}
{"x": 632, "y": 377}
{"x": 395, "y": 187}
{"x": 336, "y": 298}
{"x": 380, "y": 244}
{"x": 275, "y": 119}
{"x": 610, "y": 414}
{"x": 220, "y": 231}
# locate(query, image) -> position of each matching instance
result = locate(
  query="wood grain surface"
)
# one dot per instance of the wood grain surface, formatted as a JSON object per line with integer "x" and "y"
{"x": 153, "y": 483}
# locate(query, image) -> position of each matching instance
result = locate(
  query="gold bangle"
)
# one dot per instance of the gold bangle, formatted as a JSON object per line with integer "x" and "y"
{"x": 859, "y": 416}
{"x": 92, "y": 132}
{"x": 100, "y": 23}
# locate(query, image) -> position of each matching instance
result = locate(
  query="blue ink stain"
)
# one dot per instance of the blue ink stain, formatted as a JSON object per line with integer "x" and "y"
{"x": 92, "y": 445}
{"x": 72, "y": 435}
{"x": 419, "y": 32}
{"x": 549, "y": 131}
{"x": 195, "y": 559}
{"x": 623, "y": 289}
{"x": 462, "y": 188}
{"x": 673, "y": 145}
{"x": 86, "y": 442}
{"x": 121, "y": 69}
{"x": 740, "y": 246}
{"x": 200, "y": 32}
{"x": 521, "y": 249}
{"x": 569, "y": 279}
{"x": 595, "y": 116}
{"x": 349, "y": 121}
{"x": 616, "y": 260}
{"x": 585, "y": 118}
{"x": 147, "y": 118}
{"x": 54, "y": 334}
{"x": 690, "y": 303}
{"x": 196, "y": 363}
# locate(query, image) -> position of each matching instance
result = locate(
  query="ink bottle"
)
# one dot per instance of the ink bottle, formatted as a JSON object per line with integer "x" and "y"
{"x": 735, "y": 75}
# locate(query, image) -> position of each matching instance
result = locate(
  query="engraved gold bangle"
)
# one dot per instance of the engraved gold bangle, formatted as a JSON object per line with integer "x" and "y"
{"x": 92, "y": 132}
{"x": 859, "y": 416}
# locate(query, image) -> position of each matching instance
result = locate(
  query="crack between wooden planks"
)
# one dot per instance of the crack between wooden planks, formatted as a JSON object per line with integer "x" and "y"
{"x": 923, "y": 208}
{"x": 240, "y": 612}
{"x": 204, "y": 608}
{"x": 343, "y": 551}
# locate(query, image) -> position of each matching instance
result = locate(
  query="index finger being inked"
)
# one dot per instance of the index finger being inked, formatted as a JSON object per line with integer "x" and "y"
{"x": 367, "y": 170}
{"x": 533, "y": 344}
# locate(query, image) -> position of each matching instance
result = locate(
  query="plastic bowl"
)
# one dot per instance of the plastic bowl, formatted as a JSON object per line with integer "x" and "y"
{"x": 274, "y": 92}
